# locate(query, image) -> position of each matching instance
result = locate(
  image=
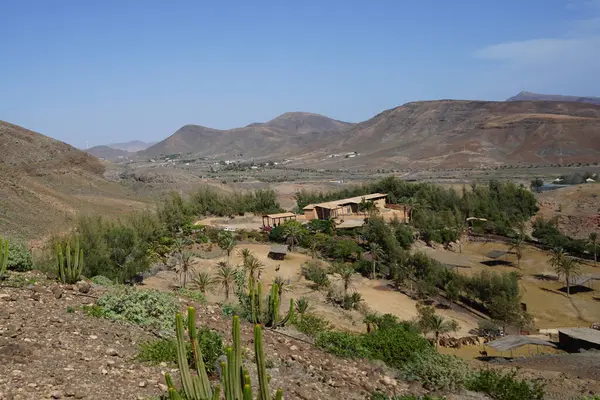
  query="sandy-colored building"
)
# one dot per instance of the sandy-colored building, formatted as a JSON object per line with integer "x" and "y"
{"x": 277, "y": 219}
{"x": 338, "y": 208}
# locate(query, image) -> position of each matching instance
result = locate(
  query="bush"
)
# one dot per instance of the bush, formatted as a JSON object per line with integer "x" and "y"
{"x": 437, "y": 371}
{"x": 505, "y": 386}
{"x": 315, "y": 271}
{"x": 101, "y": 280}
{"x": 311, "y": 324}
{"x": 19, "y": 258}
{"x": 192, "y": 294}
{"x": 148, "y": 308}
{"x": 165, "y": 350}
{"x": 396, "y": 344}
{"x": 342, "y": 344}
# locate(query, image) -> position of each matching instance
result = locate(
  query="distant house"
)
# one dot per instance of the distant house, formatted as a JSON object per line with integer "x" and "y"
{"x": 277, "y": 252}
{"x": 349, "y": 206}
{"x": 277, "y": 219}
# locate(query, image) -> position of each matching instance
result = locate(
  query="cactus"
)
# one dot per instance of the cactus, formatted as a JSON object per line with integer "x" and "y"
{"x": 3, "y": 257}
{"x": 234, "y": 379}
{"x": 70, "y": 264}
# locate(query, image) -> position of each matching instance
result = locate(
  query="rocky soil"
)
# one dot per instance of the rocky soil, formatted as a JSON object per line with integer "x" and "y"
{"x": 51, "y": 349}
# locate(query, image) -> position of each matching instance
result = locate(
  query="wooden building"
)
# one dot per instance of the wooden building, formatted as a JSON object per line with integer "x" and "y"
{"x": 339, "y": 208}
{"x": 277, "y": 219}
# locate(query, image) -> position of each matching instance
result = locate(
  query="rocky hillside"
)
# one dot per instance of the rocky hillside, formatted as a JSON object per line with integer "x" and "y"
{"x": 108, "y": 153}
{"x": 287, "y": 134}
{"x": 44, "y": 183}
{"x": 452, "y": 133}
{"x": 529, "y": 96}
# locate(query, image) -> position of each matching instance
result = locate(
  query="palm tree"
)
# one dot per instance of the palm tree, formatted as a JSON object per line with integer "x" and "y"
{"x": 371, "y": 319}
{"x": 438, "y": 325}
{"x": 293, "y": 233}
{"x": 254, "y": 266}
{"x": 517, "y": 244}
{"x": 346, "y": 273}
{"x": 414, "y": 205}
{"x": 225, "y": 276}
{"x": 593, "y": 245}
{"x": 204, "y": 281}
{"x": 245, "y": 253}
{"x": 227, "y": 243}
{"x": 376, "y": 254}
{"x": 313, "y": 247}
{"x": 283, "y": 285}
{"x": 183, "y": 265}
{"x": 557, "y": 257}
{"x": 569, "y": 268}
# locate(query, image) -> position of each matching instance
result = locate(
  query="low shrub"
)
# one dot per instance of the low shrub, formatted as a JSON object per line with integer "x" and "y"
{"x": 342, "y": 344}
{"x": 192, "y": 294}
{"x": 165, "y": 350}
{"x": 505, "y": 386}
{"x": 19, "y": 258}
{"x": 101, "y": 280}
{"x": 311, "y": 324}
{"x": 148, "y": 308}
{"x": 437, "y": 371}
{"x": 315, "y": 272}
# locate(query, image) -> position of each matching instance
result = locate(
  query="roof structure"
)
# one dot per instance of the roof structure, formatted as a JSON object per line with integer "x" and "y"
{"x": 279, "y": 249}
{"x": 310, "y": 207}
{"x": 586, "y": 334}
{"x": 514, "y": 341}
{"x": 280, "y": 215}
{"x": 496, "y": 253}
{"x": 350, "y": 200}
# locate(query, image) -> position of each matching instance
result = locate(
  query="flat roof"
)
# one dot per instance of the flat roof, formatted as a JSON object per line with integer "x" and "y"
{"x": 280, "y": 249}
{"x": 280, "y": 215}
{"x": 310, "y": 207}
{"x": 585, "y": 334}
{"x": 514, "y": 341}
{"x": 350, "y": 200}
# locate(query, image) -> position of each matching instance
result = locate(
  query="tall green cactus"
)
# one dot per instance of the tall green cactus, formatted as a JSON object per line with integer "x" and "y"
{"x": 3, "y": 257}
{"x": 70, "y": 264}
{"x": 234, "y": 379}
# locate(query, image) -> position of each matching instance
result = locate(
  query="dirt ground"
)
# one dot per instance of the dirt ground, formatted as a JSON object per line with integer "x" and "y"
{"x": 550, "y": 307}
{"x": 375, "y": 293}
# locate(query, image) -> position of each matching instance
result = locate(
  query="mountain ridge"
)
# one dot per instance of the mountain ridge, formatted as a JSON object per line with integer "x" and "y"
{"x": 528, "y": 96}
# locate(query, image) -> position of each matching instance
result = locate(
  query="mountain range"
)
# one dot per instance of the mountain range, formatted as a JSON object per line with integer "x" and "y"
{"x": 443, "y": 133}
{"x": 115, "y": 151}
{"x": 527, "y": 96}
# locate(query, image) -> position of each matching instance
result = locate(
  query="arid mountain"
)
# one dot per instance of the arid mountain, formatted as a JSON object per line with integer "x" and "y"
{"x": 45, "y": 183}
{"x": 452, "y": 133}
{"x": 108, "y": 153}
{"x": 287, "y": 134}
{"x": 529, "y": 96}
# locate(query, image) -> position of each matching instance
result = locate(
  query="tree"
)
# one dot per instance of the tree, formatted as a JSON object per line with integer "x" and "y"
{"x": 439, "y": 326}
{"x": 225, "y": 277}
{"x": 226, "y": 242}
{"x": 593, "y": 245}
{"x": 283, "y": 285}
{"x": 414, "y": 205}
{"x": 245, "y": 253}
{"x": 536, "y": 184}
{"x": 293, "y": 232}
{"x": 346, "y": 272}
{"x": 183, "y": 265}
{"x": 376, "y": 255}
{"x": 204, "y": 281}
{"x": 517, "y": 244}
{"x": 569, "y": 268}
{"x": 557, "y": 257}
{"x": 254, "y": 267}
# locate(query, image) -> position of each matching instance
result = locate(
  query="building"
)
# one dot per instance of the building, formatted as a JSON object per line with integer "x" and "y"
{"x": 277, "y": 252}
{"x": 575, "y": 339}
{"x": 339, "y": 208}
{"x": 277, "y": 219}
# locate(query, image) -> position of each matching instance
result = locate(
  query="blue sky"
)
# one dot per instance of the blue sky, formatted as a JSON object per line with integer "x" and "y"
{"x": 98, "y": 72}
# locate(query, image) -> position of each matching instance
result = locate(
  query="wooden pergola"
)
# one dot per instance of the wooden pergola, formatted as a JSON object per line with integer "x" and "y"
{"x": 277, "y": 219}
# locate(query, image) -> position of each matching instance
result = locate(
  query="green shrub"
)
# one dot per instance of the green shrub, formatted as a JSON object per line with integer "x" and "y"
{"x": 228, "y": 310}
{"x": 149, "y": 308}
{"x": 315, "y": 272}
{"x": 311, "y": 324}
{"x": 101, "y": 280}
{"x": 165, "y": 350}
{"x": 395, "y": 344}
{"x": 342, "y": 344}
{"x": 192, "y": 294}
{"x": 437, "y": 371}
{"x": 19, "y": 258}
{"x": 505, "y": 386}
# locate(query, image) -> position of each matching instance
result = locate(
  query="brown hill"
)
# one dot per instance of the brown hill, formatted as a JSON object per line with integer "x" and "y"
{"x": 453, "y": 133}
{"x": 44, "y": 183}
{"x": 529, "y": 96}
{"x": 284, "y": 135}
